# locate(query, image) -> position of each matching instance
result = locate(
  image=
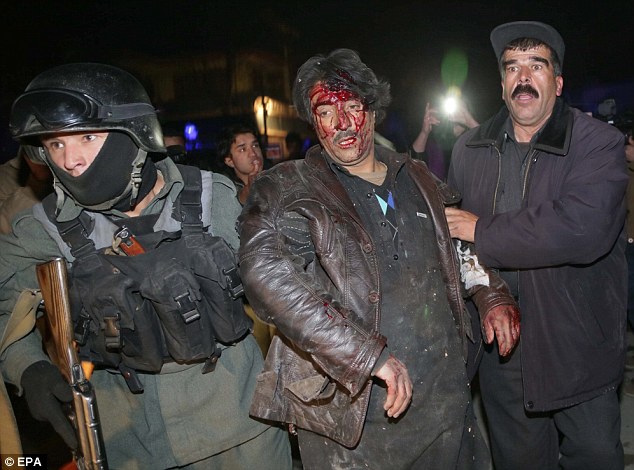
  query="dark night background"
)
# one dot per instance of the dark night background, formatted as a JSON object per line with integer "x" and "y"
{"x": 404, "y": 42}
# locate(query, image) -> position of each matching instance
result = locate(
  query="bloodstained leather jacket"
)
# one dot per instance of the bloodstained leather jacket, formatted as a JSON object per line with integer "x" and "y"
{"x": 310, "y": 268}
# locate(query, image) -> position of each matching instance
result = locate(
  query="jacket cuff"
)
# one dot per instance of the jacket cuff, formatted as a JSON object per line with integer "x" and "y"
{"x": 495, "y": 294}
{"x": 380, "y": 362}
{"x": 360, "y": 371}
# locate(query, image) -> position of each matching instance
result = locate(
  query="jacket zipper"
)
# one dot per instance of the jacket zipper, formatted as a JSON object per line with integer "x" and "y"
{"x": 528, "y": 167}
{"x": 497, "y": 183}
{"x": 524, "y": 186}
{"x": 531, "y": 159}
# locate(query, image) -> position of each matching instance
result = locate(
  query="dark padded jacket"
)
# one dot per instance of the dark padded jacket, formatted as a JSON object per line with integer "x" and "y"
{"x": 568, "y": 244}
{"x": 310, "y": 268}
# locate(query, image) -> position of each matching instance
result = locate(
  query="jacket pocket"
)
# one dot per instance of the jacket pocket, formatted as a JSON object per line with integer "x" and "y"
{"x": 312, "y": 388}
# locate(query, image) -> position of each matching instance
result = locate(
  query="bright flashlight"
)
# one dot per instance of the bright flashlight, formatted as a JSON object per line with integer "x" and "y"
{"x": 449, "y": 105}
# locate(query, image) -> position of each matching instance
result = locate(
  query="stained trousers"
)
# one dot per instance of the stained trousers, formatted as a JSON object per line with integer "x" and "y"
{"x": 583, "y": 436}
{"x": 321, "y": 453}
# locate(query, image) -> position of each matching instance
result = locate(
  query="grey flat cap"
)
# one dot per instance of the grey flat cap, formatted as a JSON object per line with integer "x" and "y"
{"x": 505, "y": 33}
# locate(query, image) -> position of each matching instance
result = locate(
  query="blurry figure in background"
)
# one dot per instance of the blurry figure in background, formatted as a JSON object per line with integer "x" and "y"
{"x": 240, "y": 149}
{"x": 426, "y": 148}
{"x": 174, "y": 141}
{"x": 430, "y": 150}
{"x": 24, "y": 181}
{"x": 294, "y": 146}
{"x": 606, "y": 110}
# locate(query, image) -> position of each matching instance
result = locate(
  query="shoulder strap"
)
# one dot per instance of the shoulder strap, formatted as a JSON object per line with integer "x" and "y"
{"x": 74, "y": 232}
{"x": 188, "y": 208}
{"x": 188, "y": 205}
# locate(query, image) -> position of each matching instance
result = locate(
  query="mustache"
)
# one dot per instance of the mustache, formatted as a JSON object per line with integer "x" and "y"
{"x": 344, "y": 135}
{"x": 526, "y": 89}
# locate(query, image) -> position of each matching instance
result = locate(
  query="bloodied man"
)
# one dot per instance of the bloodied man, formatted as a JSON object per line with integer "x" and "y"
{"x": 344, "y": 128}
{"x": 348, "y": 254}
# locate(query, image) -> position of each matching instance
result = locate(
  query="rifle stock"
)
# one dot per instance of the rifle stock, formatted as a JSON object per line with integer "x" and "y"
{"x": 59, "y": 342}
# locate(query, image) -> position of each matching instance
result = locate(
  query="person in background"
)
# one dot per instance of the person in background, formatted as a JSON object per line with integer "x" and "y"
{"x": 24, "y": 181}
{"x": 431, "y": 152}
{"x": 347, "y": 253}
{"x": 175, "y": 363}
{"x": 174, "y": 141}
{"x": 543, "y": 199}
{"x": 240, "y": 149}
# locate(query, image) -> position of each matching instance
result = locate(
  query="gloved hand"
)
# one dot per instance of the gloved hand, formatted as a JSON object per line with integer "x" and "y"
{"x": 45, "y": 391}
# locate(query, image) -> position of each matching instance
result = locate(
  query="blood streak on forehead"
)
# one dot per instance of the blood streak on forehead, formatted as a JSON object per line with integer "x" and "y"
{"x": 322, "y": 94}
{"x": 328, "y": 94}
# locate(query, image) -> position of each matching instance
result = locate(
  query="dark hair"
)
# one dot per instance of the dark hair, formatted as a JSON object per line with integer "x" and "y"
{"x": 342, "y": 69}
{"x": 228, "y": 135}
{"x": 524, "y": 44}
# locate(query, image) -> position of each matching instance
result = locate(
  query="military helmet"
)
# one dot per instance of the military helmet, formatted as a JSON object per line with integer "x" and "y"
{"x": 86, "y": 97}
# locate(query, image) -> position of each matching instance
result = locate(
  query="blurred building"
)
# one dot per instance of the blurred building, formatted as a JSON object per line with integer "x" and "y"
{"x": 205, "y": 92}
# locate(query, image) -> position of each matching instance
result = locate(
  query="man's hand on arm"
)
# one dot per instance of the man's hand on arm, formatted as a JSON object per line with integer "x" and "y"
{"x": 399, "y": 386}
{"x": 461, "y": 224}
{"x": 502, "y": 323}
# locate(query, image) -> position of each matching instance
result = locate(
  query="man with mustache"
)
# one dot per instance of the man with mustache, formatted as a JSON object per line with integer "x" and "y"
{"x": 348, "y": 254}
{"x": 543, "y": 189}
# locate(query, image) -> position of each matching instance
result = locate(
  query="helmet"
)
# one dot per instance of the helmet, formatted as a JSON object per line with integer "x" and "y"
{"x": 86, "y": 97}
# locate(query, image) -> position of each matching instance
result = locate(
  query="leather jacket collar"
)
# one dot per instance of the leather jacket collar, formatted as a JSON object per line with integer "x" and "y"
{"x": 318, "y": 163}
{"x": 553, "y": 138}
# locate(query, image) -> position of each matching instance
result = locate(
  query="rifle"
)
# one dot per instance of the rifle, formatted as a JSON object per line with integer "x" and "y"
{"x": 58, "y": 340}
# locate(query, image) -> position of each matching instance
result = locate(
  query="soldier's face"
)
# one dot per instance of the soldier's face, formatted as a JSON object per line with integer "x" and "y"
{"x": 74, "y": 152}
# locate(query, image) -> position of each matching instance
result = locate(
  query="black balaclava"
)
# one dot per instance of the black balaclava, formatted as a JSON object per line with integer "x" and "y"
{"x": 107, "y": 183}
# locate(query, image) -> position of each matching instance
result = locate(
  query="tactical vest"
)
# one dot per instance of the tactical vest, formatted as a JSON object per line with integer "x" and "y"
{"x": 152, "y": 296}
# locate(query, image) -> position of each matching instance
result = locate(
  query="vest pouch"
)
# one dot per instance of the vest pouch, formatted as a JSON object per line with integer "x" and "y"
{"x": 212, "y": 260}
{"x": 123, "y": 326}
{"x": 177, "y": 297}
